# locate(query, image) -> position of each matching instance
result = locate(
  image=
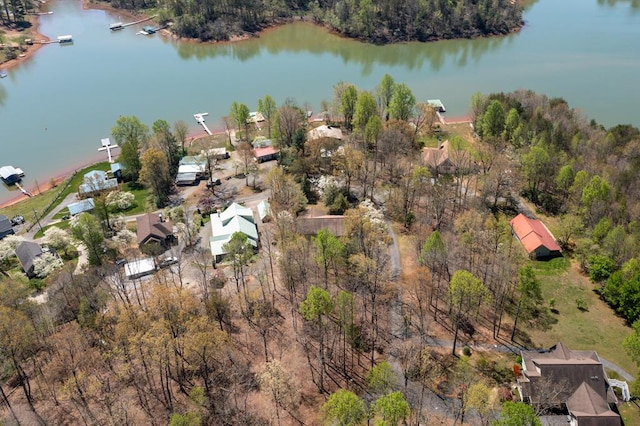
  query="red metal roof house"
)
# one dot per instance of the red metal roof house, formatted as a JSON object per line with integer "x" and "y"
{"x": 535, "y": 237}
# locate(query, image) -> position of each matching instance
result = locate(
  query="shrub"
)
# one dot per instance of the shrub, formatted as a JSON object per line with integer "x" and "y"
{"x": 466, "y": 351}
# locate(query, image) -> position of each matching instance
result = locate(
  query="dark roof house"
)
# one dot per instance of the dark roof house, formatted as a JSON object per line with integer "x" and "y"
{"x": 152, "y": 229}
{"x": 312, "y": 225}
{"x": 536, "y": 239}
{"x": 5, "y": 227}
{"x": 27, "y": 252}
{"x": 575, "y": 379}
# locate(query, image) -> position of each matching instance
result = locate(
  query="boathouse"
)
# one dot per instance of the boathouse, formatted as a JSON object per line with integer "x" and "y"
{"x": 117, "y": 26}
{"x": 65, "y": 39}
{"x": 10, "y": 174}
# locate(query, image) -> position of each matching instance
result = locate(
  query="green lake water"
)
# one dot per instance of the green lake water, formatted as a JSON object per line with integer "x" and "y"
{"x": 55, "y": 108}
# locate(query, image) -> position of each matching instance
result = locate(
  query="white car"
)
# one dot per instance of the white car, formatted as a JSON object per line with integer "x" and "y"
{"x": 167, "y": 260}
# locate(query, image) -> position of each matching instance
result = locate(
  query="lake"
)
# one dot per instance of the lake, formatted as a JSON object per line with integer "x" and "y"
{"x": 55, "y": 108}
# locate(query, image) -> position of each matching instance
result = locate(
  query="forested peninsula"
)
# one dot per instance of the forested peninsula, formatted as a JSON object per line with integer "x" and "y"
{"x": 376, "y": 21}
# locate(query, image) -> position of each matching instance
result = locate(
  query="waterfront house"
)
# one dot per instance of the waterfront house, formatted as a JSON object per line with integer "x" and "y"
{"x": 96, "y": 181}
{"x": 235, "y": 218}
{"x": 325, "y": 131}
{"x": 27, "y": 252}
{"x": 6, "y": 227}
{"x": 438, "y": 159}
{"x": 534, "y": 236}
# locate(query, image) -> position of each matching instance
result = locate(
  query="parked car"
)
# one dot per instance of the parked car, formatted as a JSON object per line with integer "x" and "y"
{"x": 213, "y": 182}
{"x": 17, "y": 220}
{"x": 121, "y": 262}
{"x": 167, "y": 260}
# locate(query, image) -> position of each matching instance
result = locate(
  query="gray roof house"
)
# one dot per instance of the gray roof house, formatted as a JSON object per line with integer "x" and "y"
{"x": 27, "y": 252}
{"x": 81, "y": 206}
{"x": 5, "y": 227}
{"x": 96, "y": 181}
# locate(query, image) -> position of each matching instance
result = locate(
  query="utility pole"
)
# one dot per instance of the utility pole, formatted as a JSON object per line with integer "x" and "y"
{"x": 35, "y": 215}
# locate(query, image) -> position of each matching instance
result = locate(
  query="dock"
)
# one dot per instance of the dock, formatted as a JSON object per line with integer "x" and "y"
{"x": 437, "y": 105}
{"x": 24, "y": 191}
{"x": 119, "y": 25}
{"x": 65, "y": 39}
{"x": 200, "y": 120}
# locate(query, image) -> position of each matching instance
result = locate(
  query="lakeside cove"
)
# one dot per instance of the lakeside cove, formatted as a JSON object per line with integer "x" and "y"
{"x": 137, "y": 75}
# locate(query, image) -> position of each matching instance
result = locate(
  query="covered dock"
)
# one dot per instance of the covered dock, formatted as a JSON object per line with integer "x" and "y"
{"x": 437, "y": 105}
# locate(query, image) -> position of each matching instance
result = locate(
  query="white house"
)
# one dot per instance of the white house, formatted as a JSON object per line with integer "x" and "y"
{"x": 235, "y": 218}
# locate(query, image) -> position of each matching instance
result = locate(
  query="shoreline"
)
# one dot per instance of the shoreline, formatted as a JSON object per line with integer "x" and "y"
{"x": 34, "y": 20}
{"x": 58, "y": 178}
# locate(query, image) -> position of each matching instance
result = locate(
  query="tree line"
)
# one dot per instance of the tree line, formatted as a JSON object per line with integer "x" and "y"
{"x": 581, "y": 172}
{"x": 379, "y": 21}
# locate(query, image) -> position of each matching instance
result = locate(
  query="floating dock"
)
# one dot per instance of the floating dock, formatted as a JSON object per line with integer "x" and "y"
{"x": 200, "y": 120}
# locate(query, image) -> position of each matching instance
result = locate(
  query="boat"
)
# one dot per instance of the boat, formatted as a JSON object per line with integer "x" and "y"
{"x": 117, "y": 26}
{"x": 3, "y": 74}
{"x": 147, "y": 30}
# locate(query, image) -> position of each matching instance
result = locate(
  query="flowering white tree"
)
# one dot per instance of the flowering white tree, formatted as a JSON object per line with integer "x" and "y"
{"x": 120, "y": 200}
{"x": 57, "y": 238}
{"x": 118, "y": 223}
{"x": 46, "y": 263}
{"x": 124, "y": 238}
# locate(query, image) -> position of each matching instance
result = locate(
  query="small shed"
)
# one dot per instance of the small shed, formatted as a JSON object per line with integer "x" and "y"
{"x": 312, "y": 225}
{"x": 264, "y": 211}
{"x": 116, "y": 170}
{"x": 139, "y": 268}
{"x": 81, "y": 206}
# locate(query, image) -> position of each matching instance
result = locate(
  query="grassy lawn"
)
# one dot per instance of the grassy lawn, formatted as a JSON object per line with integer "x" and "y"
{"x": 40, "y": 202}
{"x": 630, "y": 413}
{"x": 141, "y": 201}
{"x": 597, "y": 328}
{"x": 62, "y": 225}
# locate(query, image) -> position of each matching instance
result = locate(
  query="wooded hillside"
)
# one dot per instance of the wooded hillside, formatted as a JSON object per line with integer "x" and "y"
{"x": 379, "y": 21}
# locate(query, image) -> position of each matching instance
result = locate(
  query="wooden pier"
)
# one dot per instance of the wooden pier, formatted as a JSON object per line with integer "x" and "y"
{"x": 200, "y": 120}
{"x": 24, "y": 191}
{"x": 119, "y": 25}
